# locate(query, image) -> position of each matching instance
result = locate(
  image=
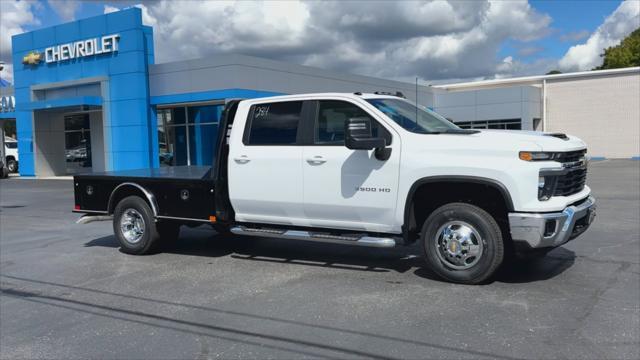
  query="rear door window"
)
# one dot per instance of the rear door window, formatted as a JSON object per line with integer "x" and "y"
{"x": 274, "y": 123}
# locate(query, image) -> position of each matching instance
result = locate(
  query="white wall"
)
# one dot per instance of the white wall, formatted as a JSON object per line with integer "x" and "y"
{"x": 604, "y": 111}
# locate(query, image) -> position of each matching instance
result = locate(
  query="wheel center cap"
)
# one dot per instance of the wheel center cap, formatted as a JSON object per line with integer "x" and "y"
{"x": 454, "y": 247}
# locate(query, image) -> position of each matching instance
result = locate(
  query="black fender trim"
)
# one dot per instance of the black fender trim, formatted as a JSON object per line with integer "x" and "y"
{"x": 454, "y": 179}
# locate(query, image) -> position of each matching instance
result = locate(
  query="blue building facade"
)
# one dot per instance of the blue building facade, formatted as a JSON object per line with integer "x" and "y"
{"x": 89, "y": 97}
{"x": 113, "y": 82}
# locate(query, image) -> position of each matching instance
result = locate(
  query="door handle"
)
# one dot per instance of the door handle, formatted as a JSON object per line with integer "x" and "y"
{"x": 316, "y": 160}
{"x": 243, "y": 159}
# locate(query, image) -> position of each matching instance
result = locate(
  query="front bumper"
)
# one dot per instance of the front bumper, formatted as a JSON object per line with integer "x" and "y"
{"x": 540, "y": 230}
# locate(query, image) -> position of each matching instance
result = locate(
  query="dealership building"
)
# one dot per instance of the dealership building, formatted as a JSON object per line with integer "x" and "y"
{"x": 87, "y": 96}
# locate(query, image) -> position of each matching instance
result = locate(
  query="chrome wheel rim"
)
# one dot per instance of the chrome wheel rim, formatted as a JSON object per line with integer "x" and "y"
{"x": 459, "y": 245}
{"x": 132, "y": 226}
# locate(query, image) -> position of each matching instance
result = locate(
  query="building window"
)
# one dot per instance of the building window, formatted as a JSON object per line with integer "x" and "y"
{"x": 509, "y": 124}
{"x": 187, "y": 134}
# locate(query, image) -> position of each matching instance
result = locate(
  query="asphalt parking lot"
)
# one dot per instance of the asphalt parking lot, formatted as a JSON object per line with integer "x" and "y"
{"x": 67, "y": 292}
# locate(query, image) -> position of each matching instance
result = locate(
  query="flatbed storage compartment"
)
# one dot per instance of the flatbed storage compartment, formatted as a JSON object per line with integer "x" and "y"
{"x": 181, "y": 192}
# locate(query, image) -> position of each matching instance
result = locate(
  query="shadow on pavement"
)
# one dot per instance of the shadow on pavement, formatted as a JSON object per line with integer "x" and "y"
{"x": 531, "y": 270}
{"x": 206, "y": 243}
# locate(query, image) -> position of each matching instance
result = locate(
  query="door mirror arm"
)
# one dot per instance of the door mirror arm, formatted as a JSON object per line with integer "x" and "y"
{"x": 383, "y": 153}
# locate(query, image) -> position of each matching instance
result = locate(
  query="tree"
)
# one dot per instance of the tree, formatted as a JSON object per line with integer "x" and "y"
{"x": 625, "y": 54}
{"x": 553, "y": 72}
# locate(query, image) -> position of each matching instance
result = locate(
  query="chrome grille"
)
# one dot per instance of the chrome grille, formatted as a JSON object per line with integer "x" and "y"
{"x": 576, "y": 177}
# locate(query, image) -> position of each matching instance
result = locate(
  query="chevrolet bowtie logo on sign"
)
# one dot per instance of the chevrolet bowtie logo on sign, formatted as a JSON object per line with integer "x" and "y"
{"x": 32, "y": 58}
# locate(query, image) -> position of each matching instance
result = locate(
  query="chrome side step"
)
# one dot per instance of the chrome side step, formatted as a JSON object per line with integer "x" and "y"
{"x": 85, "y": 219}
{"x": 310, "y": 236}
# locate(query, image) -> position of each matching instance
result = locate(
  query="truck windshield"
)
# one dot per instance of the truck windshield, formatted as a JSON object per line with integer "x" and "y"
{"x": 414, "y": 118}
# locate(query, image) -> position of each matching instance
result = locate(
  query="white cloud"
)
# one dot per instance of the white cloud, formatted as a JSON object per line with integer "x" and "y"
{"x": 616, "y": 26}
{"x": 66, "y": 9}
{"x": 146, "y": 18}
{"x": 432, "y": 39}
{"x": 14, "y": 16}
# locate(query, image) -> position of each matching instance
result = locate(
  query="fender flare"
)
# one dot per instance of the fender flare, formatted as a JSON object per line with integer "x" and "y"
{"x": 454, "y": 179}
{"x": 150, "y": 197}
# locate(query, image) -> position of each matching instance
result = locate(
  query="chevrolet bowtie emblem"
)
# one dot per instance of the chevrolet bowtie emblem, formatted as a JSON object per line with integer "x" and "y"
{"x": 32, "y": 58}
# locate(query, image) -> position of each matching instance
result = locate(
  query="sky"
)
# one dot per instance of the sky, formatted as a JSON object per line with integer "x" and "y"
{"x": 436, "y": 41}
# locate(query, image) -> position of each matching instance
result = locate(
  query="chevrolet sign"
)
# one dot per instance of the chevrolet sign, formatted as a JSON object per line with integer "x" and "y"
{"x": 96, "y": 46}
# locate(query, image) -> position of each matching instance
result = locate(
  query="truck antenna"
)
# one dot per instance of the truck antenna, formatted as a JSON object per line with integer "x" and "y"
{"x": 416, "y": 101}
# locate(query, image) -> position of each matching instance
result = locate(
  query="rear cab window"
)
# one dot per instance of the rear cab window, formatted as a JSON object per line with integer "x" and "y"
{"x": 275, "y": 123}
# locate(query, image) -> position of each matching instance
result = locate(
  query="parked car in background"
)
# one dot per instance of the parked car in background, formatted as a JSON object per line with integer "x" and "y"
{"x": 11, "y": 154}
{"x": 3, "y": 168}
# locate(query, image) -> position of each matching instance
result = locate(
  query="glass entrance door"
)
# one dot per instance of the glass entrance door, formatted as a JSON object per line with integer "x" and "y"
{"x": 77, "y": 143}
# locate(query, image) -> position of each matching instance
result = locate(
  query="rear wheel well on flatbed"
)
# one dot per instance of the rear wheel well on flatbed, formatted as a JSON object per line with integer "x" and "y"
{"x": 124, "y": 190}
{"x": 426, "y": 196}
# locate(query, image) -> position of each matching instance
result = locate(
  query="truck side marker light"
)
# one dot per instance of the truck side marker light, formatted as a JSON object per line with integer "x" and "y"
{"x": 212, "y": 218}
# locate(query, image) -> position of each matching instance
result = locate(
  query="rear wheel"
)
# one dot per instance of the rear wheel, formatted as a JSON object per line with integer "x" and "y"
{"x": 135, "y": 227}
{"x": 462, "y": 243}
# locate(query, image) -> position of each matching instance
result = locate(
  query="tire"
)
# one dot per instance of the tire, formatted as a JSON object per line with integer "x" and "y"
{"x": 462, "y": 243}
{"x": 143, "y": 237}
{"x": 12, "y": 166}
{"x": 4, "y": 172}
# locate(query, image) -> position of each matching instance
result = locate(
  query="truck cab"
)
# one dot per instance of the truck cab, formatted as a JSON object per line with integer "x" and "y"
{"x": 369, "y": 170}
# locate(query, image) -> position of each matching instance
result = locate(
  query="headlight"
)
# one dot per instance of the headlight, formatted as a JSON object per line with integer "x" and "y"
{"x": 540, "y": 182}
{"x": 536, "y": 156}
{"x": 546, "y": 186}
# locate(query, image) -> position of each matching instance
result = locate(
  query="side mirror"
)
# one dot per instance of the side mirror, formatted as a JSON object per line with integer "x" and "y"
{"x": 357, "y": 135}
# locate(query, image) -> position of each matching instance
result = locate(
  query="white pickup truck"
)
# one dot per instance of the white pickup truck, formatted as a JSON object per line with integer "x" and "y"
{"x": 11, "y": 154}
{"x": 360, "y": 169}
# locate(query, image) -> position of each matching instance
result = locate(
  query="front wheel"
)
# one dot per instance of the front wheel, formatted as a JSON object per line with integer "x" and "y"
{"x": 462, "y": 243}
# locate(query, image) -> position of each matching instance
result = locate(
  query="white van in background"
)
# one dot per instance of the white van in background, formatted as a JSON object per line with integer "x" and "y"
{"x": 11, "y": 154}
